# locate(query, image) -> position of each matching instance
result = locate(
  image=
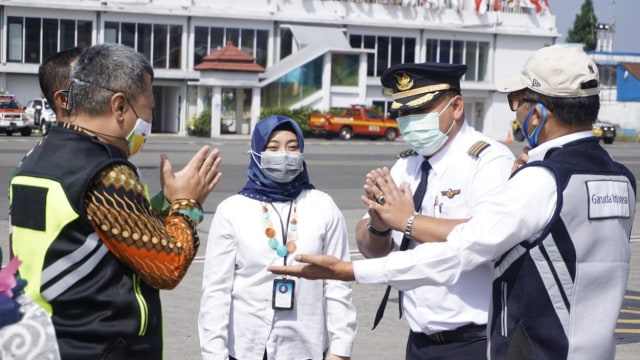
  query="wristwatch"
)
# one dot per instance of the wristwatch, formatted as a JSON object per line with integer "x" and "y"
{"x": 375, "y": 232}
{"x": 409, "y": 225}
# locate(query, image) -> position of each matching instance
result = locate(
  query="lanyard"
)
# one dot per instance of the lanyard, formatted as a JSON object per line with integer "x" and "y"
{"x": 284, "y": 230}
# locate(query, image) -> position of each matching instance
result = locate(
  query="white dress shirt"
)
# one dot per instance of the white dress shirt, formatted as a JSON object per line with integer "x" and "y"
{"x": 236, "y": 316}
{"x": 466, "y": 179}
{"x": 514, "y": 213}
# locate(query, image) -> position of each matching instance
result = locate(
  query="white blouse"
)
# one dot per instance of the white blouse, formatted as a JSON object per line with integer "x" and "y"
{"x": 236, "y": 316}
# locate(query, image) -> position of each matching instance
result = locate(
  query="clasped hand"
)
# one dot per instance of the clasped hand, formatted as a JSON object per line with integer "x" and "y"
{"x": 398, "y": 201}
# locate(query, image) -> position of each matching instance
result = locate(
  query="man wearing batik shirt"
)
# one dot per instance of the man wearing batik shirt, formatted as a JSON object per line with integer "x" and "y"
{"x": 95, "y": 252}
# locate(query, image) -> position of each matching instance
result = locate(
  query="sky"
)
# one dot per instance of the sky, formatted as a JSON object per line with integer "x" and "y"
{"x": 626, "y": 14}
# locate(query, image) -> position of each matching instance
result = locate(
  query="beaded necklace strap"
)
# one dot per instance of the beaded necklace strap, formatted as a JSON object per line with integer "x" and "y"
{"x": 288, "y": 245}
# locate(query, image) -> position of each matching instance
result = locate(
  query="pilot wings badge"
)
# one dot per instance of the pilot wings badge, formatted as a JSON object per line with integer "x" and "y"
{"x": 450, "y": 193}
{"x": 403, "y": 81}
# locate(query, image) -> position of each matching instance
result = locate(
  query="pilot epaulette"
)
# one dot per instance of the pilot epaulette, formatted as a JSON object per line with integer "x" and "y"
{"x": 478, "y": 147}
{"x": 405, "y": 153}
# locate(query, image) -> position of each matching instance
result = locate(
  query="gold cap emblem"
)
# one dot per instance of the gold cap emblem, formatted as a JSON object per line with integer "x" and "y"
{"x": 403, "y": 81}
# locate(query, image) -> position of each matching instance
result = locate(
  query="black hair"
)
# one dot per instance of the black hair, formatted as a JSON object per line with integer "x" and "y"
{"x": 55, "y": 72}
{"x": 571, "y": 111}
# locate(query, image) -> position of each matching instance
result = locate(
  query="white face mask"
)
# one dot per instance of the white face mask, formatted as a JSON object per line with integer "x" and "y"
{"x": 138, "y": 136}
{"x": 281, "y": 167}
{"x": 422, "y": 131}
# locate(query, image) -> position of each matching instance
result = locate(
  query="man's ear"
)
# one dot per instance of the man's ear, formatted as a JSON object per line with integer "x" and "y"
{"x": 536, "y": 117}
{"x": 119, "y": 106}
{"x": 61, "y": 100}
{"x": 457, "y": 104}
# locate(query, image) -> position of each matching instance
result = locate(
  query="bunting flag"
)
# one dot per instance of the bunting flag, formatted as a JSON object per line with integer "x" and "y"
{"x": 481, "y": 6}
{"x": 541, "y": 5}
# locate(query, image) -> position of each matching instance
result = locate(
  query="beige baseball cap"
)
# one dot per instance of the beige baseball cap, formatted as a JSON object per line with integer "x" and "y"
{"x": 556, "y": 71}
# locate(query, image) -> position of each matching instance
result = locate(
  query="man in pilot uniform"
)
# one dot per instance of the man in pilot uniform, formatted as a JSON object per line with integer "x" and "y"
{"x": 461, "y": 166}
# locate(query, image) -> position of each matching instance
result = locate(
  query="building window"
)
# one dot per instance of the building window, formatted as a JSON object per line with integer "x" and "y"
{"x": 294, "y": 86}
{"x": 388, "y": 51}
{"x": 175, "y": 47}
{"x": 608, "y": 75}
{"x": 344, "y": 69}
{"x": 286, "y": 42}
{"x": 49, "y": 37}
{"x": 144, "y": 37}
{"x": 251, "y": 41}
{"x": 161, "y": 44}
{"x": 31, "y": 39}
{"x": 14, "y": 47}
{"x": 475, "y": 54}
{"x": 84, "y": 33}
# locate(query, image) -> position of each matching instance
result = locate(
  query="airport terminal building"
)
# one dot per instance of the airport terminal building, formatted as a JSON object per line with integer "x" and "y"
{"x": 234, "y": 58}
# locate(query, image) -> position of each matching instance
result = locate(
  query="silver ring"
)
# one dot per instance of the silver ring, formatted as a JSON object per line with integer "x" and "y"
{"x": 380, "y": 200}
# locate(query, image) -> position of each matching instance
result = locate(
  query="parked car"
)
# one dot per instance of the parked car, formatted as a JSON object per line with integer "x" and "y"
{"x": 40, "y": 114}
{"x": 13, "y": 117}
{"x": 604, "y": 130}
{"x": 355, "y": 120}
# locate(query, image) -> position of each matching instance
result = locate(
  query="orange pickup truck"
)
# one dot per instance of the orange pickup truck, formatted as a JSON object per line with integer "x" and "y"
{"x": 356, "y": 120}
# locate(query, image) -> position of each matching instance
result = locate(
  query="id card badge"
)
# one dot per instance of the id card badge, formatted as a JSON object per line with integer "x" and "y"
{"x": 283, "y": 290}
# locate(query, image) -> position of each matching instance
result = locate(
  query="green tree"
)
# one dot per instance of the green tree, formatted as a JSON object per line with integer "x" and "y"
{"x": 583, "y": 30}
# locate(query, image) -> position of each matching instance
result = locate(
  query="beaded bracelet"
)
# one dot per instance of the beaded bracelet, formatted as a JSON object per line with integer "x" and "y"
{"x": 409, "y": 225}
{"x": 375, "y": 232}
{"x": 190, "y": 208}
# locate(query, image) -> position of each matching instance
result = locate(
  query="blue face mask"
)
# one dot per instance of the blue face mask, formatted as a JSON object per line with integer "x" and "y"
{"x": 533, "y": 138}
{"x": 422, "y": 131}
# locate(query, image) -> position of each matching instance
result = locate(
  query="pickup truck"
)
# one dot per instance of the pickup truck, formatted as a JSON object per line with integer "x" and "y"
{"x": 356, "y": 120}
{"x": 13, "y": 117}
{"x": 40, "y": 115}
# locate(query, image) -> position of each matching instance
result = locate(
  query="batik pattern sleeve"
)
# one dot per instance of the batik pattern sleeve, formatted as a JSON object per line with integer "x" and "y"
{"x": 158, "y": 249}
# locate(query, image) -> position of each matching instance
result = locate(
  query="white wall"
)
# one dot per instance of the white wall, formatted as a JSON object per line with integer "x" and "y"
{"x": 24, "y": 87}
{"x": 625, "y": 114}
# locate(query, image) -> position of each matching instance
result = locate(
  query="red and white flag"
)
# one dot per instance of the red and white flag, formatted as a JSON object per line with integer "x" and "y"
{"x": 541, "y": 5}
{"x": 481, "y": 6}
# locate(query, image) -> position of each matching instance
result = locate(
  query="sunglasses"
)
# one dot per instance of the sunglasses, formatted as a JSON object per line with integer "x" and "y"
{"x": 516, "y": 100}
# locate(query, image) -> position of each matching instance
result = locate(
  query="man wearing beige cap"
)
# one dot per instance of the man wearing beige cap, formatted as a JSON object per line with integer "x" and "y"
{"x": 557, "y": 232}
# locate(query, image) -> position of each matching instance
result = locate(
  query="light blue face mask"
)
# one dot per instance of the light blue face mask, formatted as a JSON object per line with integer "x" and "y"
{"x": 533, "y": 138}
{"x": 422, "y": 131}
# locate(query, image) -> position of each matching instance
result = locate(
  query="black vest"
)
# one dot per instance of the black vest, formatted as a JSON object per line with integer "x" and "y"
{"x": 545, "y": 289}
{"x": 100, "y": 308}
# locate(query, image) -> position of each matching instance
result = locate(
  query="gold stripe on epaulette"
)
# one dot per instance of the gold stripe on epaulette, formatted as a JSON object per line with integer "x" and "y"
{"x": 405, "y": 153}
{"x": 478, "y": 147}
